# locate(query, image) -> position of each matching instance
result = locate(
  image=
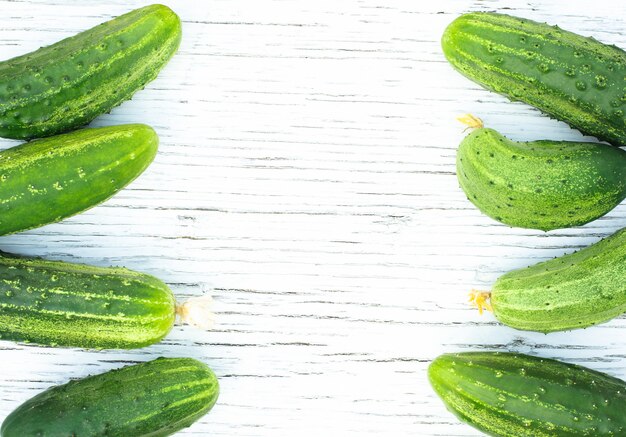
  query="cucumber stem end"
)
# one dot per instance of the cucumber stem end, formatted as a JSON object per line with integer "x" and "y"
{"x": 197, "y": 311}
{"x": 471, "y": 121}
{"x": 480, "y": 299}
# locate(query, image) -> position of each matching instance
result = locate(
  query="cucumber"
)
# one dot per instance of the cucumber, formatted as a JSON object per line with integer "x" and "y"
{"x": 154, "y": 399}
{"x": 573, "y": 291}
{"x": 50, "y": 179}
{"x": 55, "y": 303}
{"x": 516, "y": 395}
{"x": 567, "y": 76}
{"x": 68, "y": 84}
{"x": 541, "y": 184}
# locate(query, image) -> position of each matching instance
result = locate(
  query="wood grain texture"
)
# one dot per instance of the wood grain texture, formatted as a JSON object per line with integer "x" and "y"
{"x": 306, "y": 178}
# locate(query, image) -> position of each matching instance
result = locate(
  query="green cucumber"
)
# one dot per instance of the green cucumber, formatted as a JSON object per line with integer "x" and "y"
{"x": 577, "y": 290}
{"x": 55, "y": 303}
{"x": 516, "y": 395}
{"x": 152, "y": 399}
{"x": 540, "y": 184}
{"x": 567, "y": 76}
{"x": 50, "y": 179}
{"x": 68, "y": 84}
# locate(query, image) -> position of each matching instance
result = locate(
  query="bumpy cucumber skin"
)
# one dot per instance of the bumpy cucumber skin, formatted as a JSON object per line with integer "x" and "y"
{"x": 56, "y": 303}
{"x": 68, "y": 84}
{"x": 50, "y": 179}
{"x": 153, "y": 399}
{"x": 541, "y": 184}
{"x": 567, "y": 76}
{"x": 516, "y": 395}
{"x": 573, "y": 291}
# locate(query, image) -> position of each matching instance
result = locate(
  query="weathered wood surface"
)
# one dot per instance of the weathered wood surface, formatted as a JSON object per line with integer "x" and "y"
{"x": 306, "y": 179}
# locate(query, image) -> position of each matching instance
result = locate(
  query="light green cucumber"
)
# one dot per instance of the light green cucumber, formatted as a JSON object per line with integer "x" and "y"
{"x": 152, "y": 399}
{"x": 517, "y": 395}
{"x": 570, "y": 77}
{"x": 56, "y": 303}
{"x": 540, "y": 184}
{"x": 47, "y": 180}
{"x": 68, "y": 84}
{"x": 577, "y": 290}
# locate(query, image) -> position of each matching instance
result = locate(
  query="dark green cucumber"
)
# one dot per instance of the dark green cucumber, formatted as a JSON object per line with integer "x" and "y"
{"x": 153, "y": 399}
{"x": 572, "y": 78}
{"x": 574, "y": 291}
{"x": 541, "y": 184}
{"x": 68, "y": 84}
{"x": 516, "y": 395}
{"x": 47, "y": 180}
{"x": 56, "y": 303}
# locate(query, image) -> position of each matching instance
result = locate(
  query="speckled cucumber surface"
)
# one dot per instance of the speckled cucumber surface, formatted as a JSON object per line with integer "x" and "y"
{"x": 517, "y": 395}
{"x": 540, "y": 184}
{"x": 53, "y": 178}
{"x": 573, "y": 291}
{"x": 153, "y": 399}
{"x": 570, "y": 77}
{"x": 55, "y": 303}
{"x": 68, "y": 84}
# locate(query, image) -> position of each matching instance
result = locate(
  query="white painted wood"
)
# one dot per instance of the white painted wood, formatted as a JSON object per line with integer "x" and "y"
{"x": 306, "y": 179}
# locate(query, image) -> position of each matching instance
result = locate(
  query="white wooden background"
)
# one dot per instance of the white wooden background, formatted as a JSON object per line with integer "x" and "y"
{"x": 306, "y": 179}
